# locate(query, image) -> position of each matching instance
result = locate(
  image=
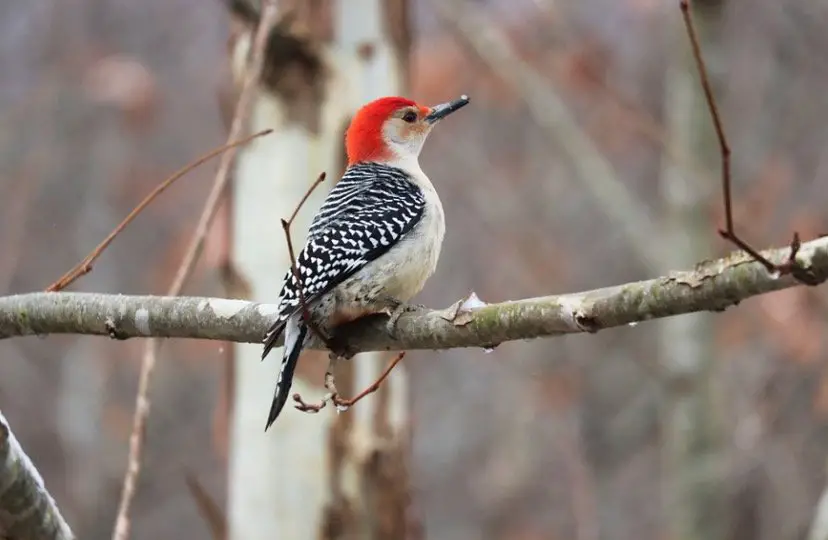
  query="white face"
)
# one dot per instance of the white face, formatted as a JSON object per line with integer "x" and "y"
{"x": 406, "y": 137}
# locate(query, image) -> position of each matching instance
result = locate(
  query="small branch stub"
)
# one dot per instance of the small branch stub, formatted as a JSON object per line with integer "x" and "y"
{"x": 789, "y": 266}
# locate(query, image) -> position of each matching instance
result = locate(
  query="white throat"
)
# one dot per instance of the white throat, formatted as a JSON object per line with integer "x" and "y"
{"x": 406, "y": 161}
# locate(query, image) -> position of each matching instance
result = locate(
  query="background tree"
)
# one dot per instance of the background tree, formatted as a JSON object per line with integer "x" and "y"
{"x": 566, "y": 174}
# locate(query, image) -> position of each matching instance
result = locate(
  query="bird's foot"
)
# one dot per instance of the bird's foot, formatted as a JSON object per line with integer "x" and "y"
{"x": 394, "y": 309}
{"x": 339, "y": 346}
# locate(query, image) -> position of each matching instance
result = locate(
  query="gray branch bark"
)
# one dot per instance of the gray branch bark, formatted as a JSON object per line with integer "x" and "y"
{"x": 27, "y": 511}
{"x": 711, "y": 286}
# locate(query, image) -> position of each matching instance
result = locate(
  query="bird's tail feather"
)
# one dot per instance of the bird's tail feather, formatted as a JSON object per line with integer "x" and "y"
{"x": 272, "y": 337}
{"x": 295, "y": 333}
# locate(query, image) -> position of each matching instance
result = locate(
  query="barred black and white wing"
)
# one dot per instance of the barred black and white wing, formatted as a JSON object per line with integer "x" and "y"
{"x": 369, "y": 210}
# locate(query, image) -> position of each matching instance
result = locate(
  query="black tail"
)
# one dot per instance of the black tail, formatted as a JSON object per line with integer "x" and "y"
{"x": 272, "y": 336}
{"x": 291, "y": 356}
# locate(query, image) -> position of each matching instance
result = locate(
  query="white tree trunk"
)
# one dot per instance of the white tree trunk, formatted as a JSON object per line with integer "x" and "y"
{"x": 375, "y": 68}
{"x": 280, "y": 481}
{"x": 277, "y": 479}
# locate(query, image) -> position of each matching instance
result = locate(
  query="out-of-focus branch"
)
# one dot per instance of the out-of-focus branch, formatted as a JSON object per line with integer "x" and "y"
{"x": 711, "y": 286}
{"x": 819, "y": 525}
{"x": 85, "y": 266}
{"x": 27, "y": 510}
{"x": 269, "y": 18}
{"x": 552, "y": 114}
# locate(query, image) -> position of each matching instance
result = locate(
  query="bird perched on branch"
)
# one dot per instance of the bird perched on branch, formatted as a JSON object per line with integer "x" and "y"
{"x": 375, "y": 240}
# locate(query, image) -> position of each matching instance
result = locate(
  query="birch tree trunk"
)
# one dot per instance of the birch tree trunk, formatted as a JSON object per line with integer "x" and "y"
{"x": 276, "y": 481}
{"x": 304, "y": 478}
{"x": 369, "y": 483}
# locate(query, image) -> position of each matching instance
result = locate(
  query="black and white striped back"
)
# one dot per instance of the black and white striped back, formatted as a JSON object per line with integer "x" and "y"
{"x": 369, "y": 210}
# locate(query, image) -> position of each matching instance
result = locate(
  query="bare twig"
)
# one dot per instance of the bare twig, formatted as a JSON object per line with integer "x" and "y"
{"x": 333, "y": 395}
{"x": 790, "y": 265}
{"x": 27, "y": 510}
{"x": 142, "y": 407}
{"x": 136, "y": 441}
{"x": 374, "y": 386}
{"x": 85, "y": 266}
{"x": 303, "y": 200}
{"x": 294, "y": 270}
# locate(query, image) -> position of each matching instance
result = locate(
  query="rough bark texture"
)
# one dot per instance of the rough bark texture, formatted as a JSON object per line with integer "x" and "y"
{"x": 711, "y": 286}
{"x": 27, "y": 510}
{"x": 367, "y": 468}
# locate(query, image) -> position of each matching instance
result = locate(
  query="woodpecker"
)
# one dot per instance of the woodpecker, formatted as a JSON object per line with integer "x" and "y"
{"x": 375, "y": 240}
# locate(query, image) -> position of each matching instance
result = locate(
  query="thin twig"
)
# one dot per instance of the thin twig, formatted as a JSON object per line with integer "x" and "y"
{"x": 311, "y": 189}
{"x": 294, "y": 269}
{"x": 85, "y": 266}
{"x": 301, "y": 289}
{"x": 374, "y": 386}
{"x": 790, "y": 266}
{"x": 142, "y": 407}
{"x": 333, "y": 396}
{"x": 714, "y": 111}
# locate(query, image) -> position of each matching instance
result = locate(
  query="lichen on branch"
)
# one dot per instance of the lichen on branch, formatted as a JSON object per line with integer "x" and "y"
{"x": 711, "y": 286}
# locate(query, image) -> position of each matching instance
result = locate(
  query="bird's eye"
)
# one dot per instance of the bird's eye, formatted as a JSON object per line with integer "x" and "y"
{"x": 410, "y": 117}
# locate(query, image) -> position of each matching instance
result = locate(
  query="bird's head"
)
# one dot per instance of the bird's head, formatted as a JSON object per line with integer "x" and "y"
{"x": 393, "y": 129}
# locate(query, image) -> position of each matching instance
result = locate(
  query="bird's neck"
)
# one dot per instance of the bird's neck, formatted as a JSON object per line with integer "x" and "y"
{"x": 407, "y": 164}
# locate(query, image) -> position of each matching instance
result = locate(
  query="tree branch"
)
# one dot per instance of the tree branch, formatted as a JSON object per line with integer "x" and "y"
{"x": 27, "y": 510}
{"x": 711, "y": 286}
{"x": 269, "y": 18}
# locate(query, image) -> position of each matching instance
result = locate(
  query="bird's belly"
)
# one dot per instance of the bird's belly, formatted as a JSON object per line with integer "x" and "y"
{"x": 407, "y": 269}
{"x": 399, "y": 274}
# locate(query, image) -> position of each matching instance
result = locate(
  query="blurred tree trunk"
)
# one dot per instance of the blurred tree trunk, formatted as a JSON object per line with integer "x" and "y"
{"x": 819, "y": 525}
{"x": 328, "y": 475}
{"x": 691, "y": 437}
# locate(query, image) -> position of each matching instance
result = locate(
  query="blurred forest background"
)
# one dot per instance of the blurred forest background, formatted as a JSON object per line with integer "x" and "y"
{"x": 586, "y": 159}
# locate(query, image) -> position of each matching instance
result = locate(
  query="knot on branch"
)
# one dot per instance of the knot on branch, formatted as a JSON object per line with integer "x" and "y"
{"x": 294, "y": 70}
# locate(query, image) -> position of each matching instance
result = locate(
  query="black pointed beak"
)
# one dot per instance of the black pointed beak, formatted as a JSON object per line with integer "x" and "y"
{"x": 444, "y": 109}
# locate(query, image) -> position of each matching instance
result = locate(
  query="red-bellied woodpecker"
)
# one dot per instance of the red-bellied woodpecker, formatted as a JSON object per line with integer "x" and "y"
{"x": 375, "y": 240}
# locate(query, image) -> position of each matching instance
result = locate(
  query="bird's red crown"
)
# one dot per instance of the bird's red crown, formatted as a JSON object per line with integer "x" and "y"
{"x": 363, "y": 140}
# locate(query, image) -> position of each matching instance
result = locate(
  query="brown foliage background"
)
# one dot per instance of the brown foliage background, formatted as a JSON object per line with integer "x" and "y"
{"x": 103, "y": 98}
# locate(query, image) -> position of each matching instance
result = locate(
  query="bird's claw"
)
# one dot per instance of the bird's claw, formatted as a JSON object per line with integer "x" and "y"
{"x": 339, "y": 347}
{"x": 394, "y": 314}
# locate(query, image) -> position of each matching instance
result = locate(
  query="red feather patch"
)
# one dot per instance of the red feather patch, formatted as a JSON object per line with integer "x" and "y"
{"x": 363, "y": 140}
